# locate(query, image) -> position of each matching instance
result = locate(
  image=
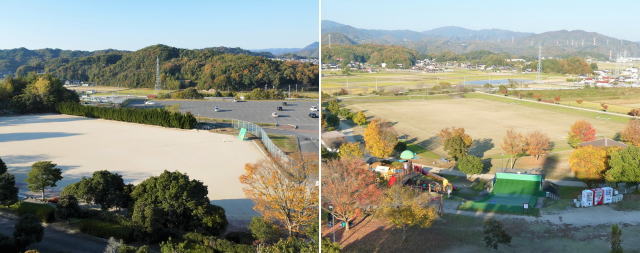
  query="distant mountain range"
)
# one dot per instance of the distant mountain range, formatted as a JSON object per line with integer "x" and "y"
{"x": 462, "y": 40}
{"x": 311, "y": 51}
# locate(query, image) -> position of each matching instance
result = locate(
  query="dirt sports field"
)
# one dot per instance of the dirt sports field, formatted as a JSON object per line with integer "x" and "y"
{"x": 482, "y": 119}
{"x": 80, "y": 146}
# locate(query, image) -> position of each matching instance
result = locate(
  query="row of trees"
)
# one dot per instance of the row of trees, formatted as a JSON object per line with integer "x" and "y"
{"x": 155, "y": 116}
{"x": 33, "y": 94}
{"x": 613, "y": 164}
{"x": 219, "y": 68}
{"x": 369, "y": 53}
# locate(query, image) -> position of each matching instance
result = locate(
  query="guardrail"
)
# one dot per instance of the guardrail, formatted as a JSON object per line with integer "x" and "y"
{"x": 264, "y": 137}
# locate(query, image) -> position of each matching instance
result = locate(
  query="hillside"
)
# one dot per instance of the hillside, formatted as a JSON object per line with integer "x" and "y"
{"x": 217, "y": 67}
{"x": 461, "y": 40}
{"x": 11, "y": 59}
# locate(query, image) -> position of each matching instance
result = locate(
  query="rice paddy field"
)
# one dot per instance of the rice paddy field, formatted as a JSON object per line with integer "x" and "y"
{"x": 359, "y": 82}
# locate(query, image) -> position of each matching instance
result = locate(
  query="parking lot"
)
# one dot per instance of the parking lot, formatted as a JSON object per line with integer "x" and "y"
{"x": 294, "y": 113}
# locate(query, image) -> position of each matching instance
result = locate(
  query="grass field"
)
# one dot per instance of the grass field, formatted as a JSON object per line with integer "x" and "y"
{"x": 287, "y": 143}
{"x": 358, "y": 82}
{"x": 487, "y": 118}
{"x": 619, "y": 100}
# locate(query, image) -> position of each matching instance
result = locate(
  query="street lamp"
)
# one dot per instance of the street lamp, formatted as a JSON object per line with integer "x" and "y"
{"x": 333, "y": 231}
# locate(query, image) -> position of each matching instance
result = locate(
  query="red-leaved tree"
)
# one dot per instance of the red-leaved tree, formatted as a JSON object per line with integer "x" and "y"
{"x": 350, "y": 187}
{"x": 581, "y": 131}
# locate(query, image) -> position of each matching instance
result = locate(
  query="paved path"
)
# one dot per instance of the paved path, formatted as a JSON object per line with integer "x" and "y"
{"x": 57, "y": 239}
{"x": 590, "y": 216}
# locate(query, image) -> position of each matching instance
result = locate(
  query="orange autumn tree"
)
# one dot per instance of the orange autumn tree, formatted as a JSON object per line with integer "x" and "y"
{"x": 581, "y": 131}
{"x": 589, "y": 163}
{"x": 380, "y": 139}
{"x": 631, "y": 133}
{"x": 350, "y": 187}
{"x": 537, "y": 144}
{"x": 514, "y": 144}
{"x": 284, "y": 191}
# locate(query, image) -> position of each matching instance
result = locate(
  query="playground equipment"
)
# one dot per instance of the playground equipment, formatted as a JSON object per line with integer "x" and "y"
{"x": 597, "y": 197}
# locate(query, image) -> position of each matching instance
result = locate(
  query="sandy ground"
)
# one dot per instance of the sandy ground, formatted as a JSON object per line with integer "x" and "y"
{"x": 80, "y": 146}
{"x": 483, "y": 119}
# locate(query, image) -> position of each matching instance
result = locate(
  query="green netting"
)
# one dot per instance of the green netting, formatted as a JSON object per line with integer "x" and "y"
{"x": 515, "y": 176}
{"x": 516, "y": 187}
{"x": 498, "y": 208}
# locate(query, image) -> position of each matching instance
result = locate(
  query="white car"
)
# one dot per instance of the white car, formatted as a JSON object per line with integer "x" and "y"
{"x": 216, "y": 109}
{"x": 313, "y": 108}
{"x": 149, "y": 103}
{"x": 275, "y": 114}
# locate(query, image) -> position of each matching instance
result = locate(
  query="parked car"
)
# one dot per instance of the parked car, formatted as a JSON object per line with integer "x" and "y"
{"x": 216, "y": 109}
{"x": 314, "y": 108}
{"x": 313, "y": 114}
{"x": 149, "y": 103}
{"x": 284, "y": 103}
{"x": 275, "y": 114}
{"x": 279, "y": 108}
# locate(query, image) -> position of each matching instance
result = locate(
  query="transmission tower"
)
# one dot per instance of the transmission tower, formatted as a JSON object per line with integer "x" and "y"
{"x": 539, "y": 63}
{"x": 158, "y": 84}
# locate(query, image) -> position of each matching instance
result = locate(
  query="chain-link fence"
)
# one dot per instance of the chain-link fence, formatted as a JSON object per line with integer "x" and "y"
{"x": 264, "y": 137}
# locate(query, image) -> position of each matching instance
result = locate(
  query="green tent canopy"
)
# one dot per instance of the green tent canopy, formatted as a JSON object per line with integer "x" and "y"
{"x": 407, "y": 154}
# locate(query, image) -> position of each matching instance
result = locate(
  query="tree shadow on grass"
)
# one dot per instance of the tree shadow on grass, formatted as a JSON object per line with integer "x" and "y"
{"x": 27, "y": 136}
{"x": 481, "y": 146}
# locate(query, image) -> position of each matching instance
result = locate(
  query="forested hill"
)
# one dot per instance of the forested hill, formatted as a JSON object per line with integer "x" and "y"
{"x": 217, "y": 67}
{"x": 11, "y": 59}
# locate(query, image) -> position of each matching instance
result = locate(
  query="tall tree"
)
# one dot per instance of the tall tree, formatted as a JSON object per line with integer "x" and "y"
{"x": 28, "y": 230}
{"x": 405, "y": 207}
{"x": 43, "y": 174}
{"x": 3, "y": 166}
{"x": 494, "y": 234}
{"x": 284, "y": 191}
{"x": 538, "y": 144}
{"x": 8, "y": 189}
{"x": 455, "y": 141}
{"x": 631, "y": 133}
{"x": 350, "y": 187}
{"x": 470, "y": 164}
{"x": 380, "y": 139}
{"x": 625, "y": 165}
{"x": 514, "y": 144}
{"x": 103, "y": 187}
{"x": 172, "y": 203}
{"x": 589, "y": 163}
{"x": 581, "y": 131}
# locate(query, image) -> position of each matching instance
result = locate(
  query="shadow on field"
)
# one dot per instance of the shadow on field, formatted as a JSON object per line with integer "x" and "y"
{"x": 481, "y": 146}
{"x": 34, "y": 119}
{"x": 32, "y": 136}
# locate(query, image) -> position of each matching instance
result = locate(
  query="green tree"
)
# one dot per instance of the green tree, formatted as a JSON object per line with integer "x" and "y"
{"x": 334, "y": 107}
{"x": 330, "y": 247}
{"x": 263, "y": 230}
{"x": 624, "y": 165}
{"x": 494, "y": 234}
{"x": 28, "y": 230}
{"x": 616, "y": 239}
{"x": 104, "y": 188}
{"x": 359, "y": 118}
{"x": 456, "y": 142}
{"x": 43, "y": 174}
{"x": 172, "y": 203}
{"x": 470, "y": 164}
{"x": 67, "y": 207}
{"x": 3, "y": 167}
{"x": 8, "y": 189}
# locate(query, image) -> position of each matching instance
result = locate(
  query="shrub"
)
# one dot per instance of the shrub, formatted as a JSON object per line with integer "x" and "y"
{"x": 106, "y": 229}
{"x": 44, "y": 212}
{"x": 67, "y": 207}
{"x": 188, "y": 93}
{"x": 263, "y": 230}
{"x": 259, "y": 94}
{"x": 159, "y": 117}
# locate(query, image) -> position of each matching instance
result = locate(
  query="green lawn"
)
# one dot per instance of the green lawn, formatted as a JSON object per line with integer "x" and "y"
{"x": 287, "y": 143}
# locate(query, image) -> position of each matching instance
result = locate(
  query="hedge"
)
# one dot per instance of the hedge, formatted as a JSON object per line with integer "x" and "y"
{"x": 44, "y": 212}
{"x": 155, "y": 116}
{"x": 106, "y": 229}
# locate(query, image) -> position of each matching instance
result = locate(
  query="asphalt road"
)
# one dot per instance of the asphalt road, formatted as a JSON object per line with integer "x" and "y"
{"x": 294, "y": 113}
{"x": 55, "y": 240}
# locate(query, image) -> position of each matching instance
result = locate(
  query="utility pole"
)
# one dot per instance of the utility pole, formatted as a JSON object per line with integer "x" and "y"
{"x": 158, "y": 84}
{"x": 539, "y": 63}
{"x": 289, "y": 90}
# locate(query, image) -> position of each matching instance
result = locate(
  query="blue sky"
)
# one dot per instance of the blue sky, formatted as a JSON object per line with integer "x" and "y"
{"x": 614, "y": 18}
{"x": 134, "y": 24}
